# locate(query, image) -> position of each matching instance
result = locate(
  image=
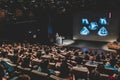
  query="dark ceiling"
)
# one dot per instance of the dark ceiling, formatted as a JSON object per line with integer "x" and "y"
{"x": 59, "y": 6}
{"x": 12, "y": 9}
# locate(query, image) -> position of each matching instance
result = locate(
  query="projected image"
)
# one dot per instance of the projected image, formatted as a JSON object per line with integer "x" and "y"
{"x": 103, "y": 21}
{"x": 85, "y": 21}
{"x": 102, "y": 31}
{"x": 84, "y": 31}
{"x": 93, "y": 26}
{"x": 96, "y": 26}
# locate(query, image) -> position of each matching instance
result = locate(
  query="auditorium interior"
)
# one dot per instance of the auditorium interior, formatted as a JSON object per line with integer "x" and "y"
{"x": 59, "y": 39}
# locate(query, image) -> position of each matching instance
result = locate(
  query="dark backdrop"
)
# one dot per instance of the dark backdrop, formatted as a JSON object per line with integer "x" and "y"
{"x": 67, "y": 25}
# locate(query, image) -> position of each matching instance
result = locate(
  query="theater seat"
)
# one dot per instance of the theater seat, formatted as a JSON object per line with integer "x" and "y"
{"x": 104, "y": 77}
{"x": 53, "y": 77}
{"x": 80, "y": 74}
{"x": 109, "y": 71}
{"x": 23, "y": 70}
{"x": 38, "y": 75}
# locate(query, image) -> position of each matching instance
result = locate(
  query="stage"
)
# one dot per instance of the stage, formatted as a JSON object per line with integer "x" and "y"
{"x": 86, "y": 44}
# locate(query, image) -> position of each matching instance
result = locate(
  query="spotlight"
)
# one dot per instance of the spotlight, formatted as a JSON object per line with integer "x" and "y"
{"x": 11, "y": 1}
{"x": 33, "y": 1}
{"x": 34, "y": 36}
{"x": 29, "y": 32}
{"x": 38, "y": 30}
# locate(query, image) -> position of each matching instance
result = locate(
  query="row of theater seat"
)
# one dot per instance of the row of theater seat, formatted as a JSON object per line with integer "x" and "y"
{"x": 35, "y": 75}
{"x": 84, "y": 75}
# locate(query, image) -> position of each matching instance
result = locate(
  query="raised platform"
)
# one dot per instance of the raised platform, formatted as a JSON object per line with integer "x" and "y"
{"x": 86, "y": 44}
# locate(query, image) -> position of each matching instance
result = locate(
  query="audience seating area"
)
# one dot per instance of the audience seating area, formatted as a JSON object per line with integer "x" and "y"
{"x": 52, "y": 62}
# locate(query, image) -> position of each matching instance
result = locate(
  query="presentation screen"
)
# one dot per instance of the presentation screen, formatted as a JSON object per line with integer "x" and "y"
{"x": 96, "y": 26}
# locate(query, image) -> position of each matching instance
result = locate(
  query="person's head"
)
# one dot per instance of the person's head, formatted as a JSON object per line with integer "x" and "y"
{"x": 23, "y": 77}
{"x": 107, "y": 63}
{"x": 39, "y": 54}
{"x": 91, "y": 58}
{"x": 76, "y": 53}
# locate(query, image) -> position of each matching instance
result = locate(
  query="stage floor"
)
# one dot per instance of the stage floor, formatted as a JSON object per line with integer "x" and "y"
{"x": 86, "y": 44}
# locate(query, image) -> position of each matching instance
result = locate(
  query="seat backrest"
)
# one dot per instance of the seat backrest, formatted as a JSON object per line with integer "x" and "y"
{"x": 38, "y": 75}
{"x": 104, "y": 77}
{"x": 109, "y": 71}
{"x": 53, "y": 77}
{"x": 80, "y": 74}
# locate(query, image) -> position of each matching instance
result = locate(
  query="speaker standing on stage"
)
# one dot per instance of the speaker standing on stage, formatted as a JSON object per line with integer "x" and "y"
{"x": 57, "y": 37}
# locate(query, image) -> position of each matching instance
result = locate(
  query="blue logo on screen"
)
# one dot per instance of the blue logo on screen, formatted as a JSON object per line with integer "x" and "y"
{"x": 85, "y": 21}
{"x": 103, "y": 31}
{"x": 103, "y": 21}
{"x": 84, "y": 31}
{"x": 93, "y": 26}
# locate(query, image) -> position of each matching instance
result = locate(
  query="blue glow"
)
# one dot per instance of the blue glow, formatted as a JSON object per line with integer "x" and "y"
{"x": 49, "y": 29}
{"x": 84, "y": 31}
{"x": 103, "y": 21}
{"x": 93, "y": 26}
{"x": 85, "y": 21}
{"x": 85, "y": 49}
{"x": 103, "y": 31}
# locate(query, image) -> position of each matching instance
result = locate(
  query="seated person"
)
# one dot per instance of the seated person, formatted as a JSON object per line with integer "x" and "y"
{"x": 44, "y": 67}
{"x": 98, "y": 59}
{"x": 91, "y": 62}
{"x": 118, "y": 75}
{"x": 15, "y": 59}
{"x": 64, "y": 69}
{"x": 79, "y": 60}
{"x": 86, "y": 56}
{"x": 95, "y": 73}
{"x": 26, "y": 61}
{"x": 112, "y": 65}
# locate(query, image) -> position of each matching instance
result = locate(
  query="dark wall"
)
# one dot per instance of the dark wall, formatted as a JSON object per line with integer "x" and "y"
{"x": 63, "y": 25}
{"x": 2, "y": 23}
{"x": 24, "y": 30}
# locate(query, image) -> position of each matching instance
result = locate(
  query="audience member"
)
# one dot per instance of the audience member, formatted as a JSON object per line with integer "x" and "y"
{"x": 44, "y": 67}
{"x": 64, "y": 69}
{"x": 95, "y": 73}
{"x": 29, "y": 55}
